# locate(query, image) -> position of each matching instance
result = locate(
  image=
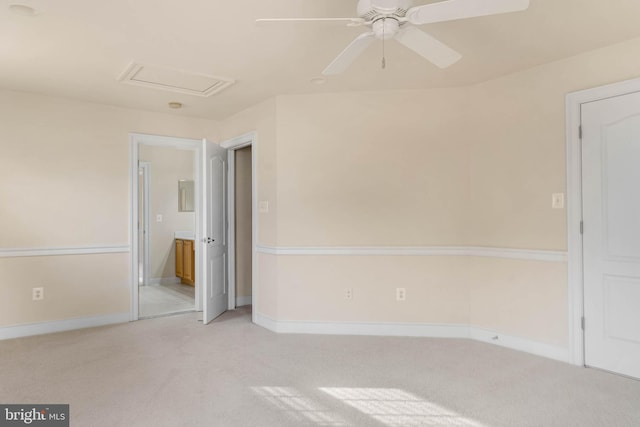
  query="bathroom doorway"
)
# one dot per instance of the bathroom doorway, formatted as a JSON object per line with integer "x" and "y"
{"x": 166, "y": 230}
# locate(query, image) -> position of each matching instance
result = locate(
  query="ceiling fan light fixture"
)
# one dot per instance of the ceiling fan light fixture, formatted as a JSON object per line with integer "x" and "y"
{"x": 386, "y": 28}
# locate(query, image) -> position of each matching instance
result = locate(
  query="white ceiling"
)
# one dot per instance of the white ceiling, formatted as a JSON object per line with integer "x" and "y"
{"x": 79, "y": 48}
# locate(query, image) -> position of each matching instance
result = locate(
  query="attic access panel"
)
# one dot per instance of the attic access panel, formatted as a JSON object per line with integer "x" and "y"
{"x": 174, "y": 80}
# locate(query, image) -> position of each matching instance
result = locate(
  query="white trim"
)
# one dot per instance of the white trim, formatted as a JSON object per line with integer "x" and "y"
{"x": 240, "y": 301}
{"x": 195, "y": 145}
{"x": 575, "y": 290}
{"x": 241, "y": 141}
{"x": 520, "y": 344}
{"x": 17, "y": 331}
{"x": 523, "y": 254}
{"x": 145, "y": 166}
{"x": 231, "y": 227}
{"x": 363, "y": 328}
{"x": 425, "y": 330}
{"x": 73, "y": 250}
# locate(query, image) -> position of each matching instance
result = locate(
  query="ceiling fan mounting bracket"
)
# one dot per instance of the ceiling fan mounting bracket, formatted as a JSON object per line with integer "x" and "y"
{"x": 372, "y": 9}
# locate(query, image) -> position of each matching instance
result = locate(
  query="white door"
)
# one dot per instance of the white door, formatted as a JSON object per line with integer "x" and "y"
{"x": 215, "y": 298}
{"x": 611, "y": 214}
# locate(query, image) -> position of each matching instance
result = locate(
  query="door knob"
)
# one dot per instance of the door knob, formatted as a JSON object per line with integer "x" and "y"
{"x": 208, "y": 240}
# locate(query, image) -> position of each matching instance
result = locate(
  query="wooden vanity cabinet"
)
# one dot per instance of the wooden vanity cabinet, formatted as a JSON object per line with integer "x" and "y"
{"x": 185, "y": 261}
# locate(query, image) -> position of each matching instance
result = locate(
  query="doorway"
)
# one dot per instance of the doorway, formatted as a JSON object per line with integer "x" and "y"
{"x": 243, "y": 215}
{"x": 165, "y": 225}
{"x": 604, "y": 252}
{"x": 242, "y": 228}
{"x": 169, "y": 287}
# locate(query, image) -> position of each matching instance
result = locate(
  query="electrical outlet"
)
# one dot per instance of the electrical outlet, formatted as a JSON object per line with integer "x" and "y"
{"x": 37, "y": 294}
{"x": 401, "y": 294}
{"x": 348, "y": 293}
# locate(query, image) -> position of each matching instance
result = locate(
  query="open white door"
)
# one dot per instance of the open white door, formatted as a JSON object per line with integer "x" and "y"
{"x": 214, "y": 241}
{"x": 611, "y": 212}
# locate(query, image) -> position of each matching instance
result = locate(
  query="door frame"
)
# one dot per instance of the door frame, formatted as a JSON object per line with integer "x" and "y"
{"x": 575, "y": 280}
{"x": 145, "y": 220}
{"x": 233, "y": 144}
{"x": 135, "y": 141}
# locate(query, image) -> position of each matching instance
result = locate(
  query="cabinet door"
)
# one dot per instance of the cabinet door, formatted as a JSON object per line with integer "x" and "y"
{"x": 188, "y": 262}
{"x": 179, "y": 258}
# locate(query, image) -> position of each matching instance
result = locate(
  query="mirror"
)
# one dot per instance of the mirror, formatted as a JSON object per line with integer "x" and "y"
{"x": 185, "y": 196}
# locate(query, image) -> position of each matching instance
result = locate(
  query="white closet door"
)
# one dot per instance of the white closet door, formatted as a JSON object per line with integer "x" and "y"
{"x": 611, "y": 214}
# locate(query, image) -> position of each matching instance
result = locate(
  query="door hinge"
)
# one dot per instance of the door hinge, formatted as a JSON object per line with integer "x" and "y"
{"x": 580, "y": 131}
{"x": 581, "y": 227}
{"x": 582, "y": 323}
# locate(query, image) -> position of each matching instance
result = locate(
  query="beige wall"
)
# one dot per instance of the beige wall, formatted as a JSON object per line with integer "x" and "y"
{"x": 471, "y": 166}
{"x": 74, "y": 286}
{"x": 167, "y": 165}
{"x": 372, "y": 169}
{"x": 520, "y": 298}
{"x": 64, "y": 171}
{"x": 516, "y": 142}
{"x": 367, "y": 169}
{"x": 312, "y": 288}
{"x": 243, "y": 221}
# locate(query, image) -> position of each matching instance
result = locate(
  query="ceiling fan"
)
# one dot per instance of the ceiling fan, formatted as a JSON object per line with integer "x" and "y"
{"x": 395, "y": 19}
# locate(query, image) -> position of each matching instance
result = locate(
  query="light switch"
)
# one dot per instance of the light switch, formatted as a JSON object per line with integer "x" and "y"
{"x": 263, "y": 206}
{"x": 159, "y": 218}
{"x": 557, "y": 200}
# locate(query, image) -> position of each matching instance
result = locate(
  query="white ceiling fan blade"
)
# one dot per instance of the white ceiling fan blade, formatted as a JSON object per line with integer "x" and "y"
{"x": 349, "y": 55}
{"x": 428, "y": 47}
{"x": 450, "y": 10}
{"x": 352, "y": 22}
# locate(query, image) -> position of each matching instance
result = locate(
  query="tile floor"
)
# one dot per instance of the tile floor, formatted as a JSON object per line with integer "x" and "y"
{"x": 159, "y": 300}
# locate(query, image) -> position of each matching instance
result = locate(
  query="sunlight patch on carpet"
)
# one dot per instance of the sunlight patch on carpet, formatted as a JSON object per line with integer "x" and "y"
{"x": 396, "y": 408}
{"x": 298, "y": 406}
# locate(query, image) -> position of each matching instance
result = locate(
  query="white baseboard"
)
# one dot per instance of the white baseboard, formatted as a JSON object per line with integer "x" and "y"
{"x": 240, "y": 301}
{"x": 323, "y": 328}
{"x": 40, "y": 328}
{"x": 415, "y": 330}
{"x": 521, "y": 344}
{"x": 357, "y": 328}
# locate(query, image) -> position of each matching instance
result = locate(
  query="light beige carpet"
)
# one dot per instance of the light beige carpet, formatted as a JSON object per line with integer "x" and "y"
{"x": 174, "y": 371}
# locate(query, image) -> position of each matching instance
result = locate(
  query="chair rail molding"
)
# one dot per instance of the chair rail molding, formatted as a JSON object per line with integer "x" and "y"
{"x": 472, "y": 251}
{"x": 66, "y": 250}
